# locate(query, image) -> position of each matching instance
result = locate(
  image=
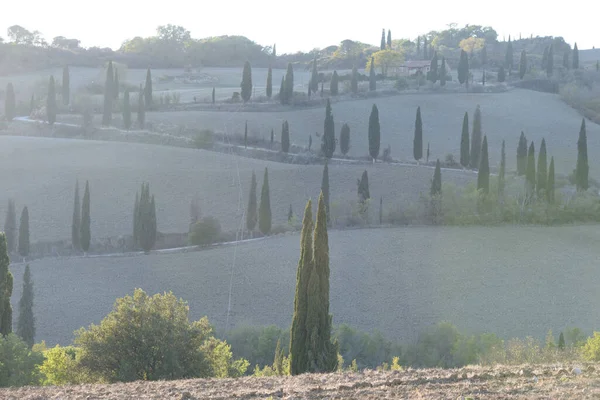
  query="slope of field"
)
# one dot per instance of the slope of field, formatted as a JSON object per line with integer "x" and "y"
{"x": 512, "y": 281}
{"x": 43, "y": 174}
{"x": 502, "y": 382}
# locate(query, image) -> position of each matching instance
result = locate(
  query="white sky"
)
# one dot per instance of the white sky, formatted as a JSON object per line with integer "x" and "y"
{"x": 305, "y": 25}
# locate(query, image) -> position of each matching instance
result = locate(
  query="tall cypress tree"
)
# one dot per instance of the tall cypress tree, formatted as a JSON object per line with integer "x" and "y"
{"x": 550, "y": 64}
{"x": 483, "y": 174}
{"x": 289, "y": 84}
{"x": 502, "y": 172}
{"x": 522, "y": 155}
{"x": 141, "y": 112}
{"x": 523, "y": 64}
{"x": 251, "y": 215}
{"x": 10, "y": 227}
{"x": 443, "y": 72}
{"x": 9, "y": 102}
{"x": 508, "y": 58}
{"x": 354, "y": 81}
{"x": 382, "y": 45}
{"x": 463, "y": 67}
{"x": 148, "y": 89}
{"x": 285, "y": 137}
{"x": 272, "y": 137}
{"x": 476, "y": 139}
{"x": 433, "y": 68}
{"x": 116, "y": 84}
{"x": 274, "y": 53}
{"x": 530, "y": 175}
{"x": 264, "y": 211}
{"x": 85, "y": 235}
{"x": 328, "y": 145}
{"x": 333, "y": 86}
{"x": 389, "y": 39}
{"x": 436, "y": 183}
{"x": 465, "y": 154}
{"x": 372, "y": 78}
{"x": 246, "y": 84}
{"x": 146, "y": 217}
{"x": 109, "y": 88}
{"x": 314, "y": 77}
{"x": 345, "y": 139}
{"x": 26, "y": 321}
{"x": 550, "y": 190}
{"x": 282, "y": 91}
{"x": 325, "y": 189}
{"x": 418, "y": 138}
{"x": 51, "y": 102}
{"x": 363, "y": 187}
{"x": 542, "y": 170}
{"x": 24, "y": 233}
{"x": 582, "y": 168}
{"x": 269, "y": 83}
{"x": 374, "y": 133}
{"x": 76, "y": 221}
{"x": 6, "y": 288}
{"x": 66, "y": 86}
{"x": 126, "y": 110}
{"x": 575, "y": 57}
{"x": 213, "y": 94}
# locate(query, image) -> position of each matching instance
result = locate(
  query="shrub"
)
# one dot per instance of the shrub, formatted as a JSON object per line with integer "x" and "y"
{"x": 401, "y": 84}
{"x": 204, "y": 139}
{"x": 387, "y": 154}
{"x": 19, "y": 365}
{"x": 591, "y": 348}
{"x": 205, "y": 231}
{"x": 61, "y": 367}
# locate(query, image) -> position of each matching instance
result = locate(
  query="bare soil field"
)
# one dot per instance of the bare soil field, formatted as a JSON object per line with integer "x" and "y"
{"x": 502, "y": 382}
{"x": 44, "y": 171}
{"x": 511, "y": 281}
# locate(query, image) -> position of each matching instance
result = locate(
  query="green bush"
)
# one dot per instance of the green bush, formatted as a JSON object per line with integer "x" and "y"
{"x": 591, "y": 348}
{"x": 18, "y": 364}
{"x": 206, "y": 231}
{"x": 61, "y": 367}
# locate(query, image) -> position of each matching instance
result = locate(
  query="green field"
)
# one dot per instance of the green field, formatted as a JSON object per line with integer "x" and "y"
{"x": 513, "y": 281}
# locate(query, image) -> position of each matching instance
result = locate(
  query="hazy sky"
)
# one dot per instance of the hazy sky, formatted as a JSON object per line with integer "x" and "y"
{"x": 303, "y": 26}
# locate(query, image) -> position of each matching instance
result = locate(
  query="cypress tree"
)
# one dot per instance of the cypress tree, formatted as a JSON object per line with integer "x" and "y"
{"x": 76, "y": 221}
{"x": 465, "y": 155}
{"x": 575, "y": 57}
{"x": 345, "y": 139}
{"x": 436, "y": 183}
{"x": 314, "y": 77}
{"x": 483, "y": 174}
{"x": 290, "y": 214}
{"x": 463, "y": 67}
{"x": 213, "y": 95}
{"x": 550, "y": 65}
{"x": 561, "y": 341}
{"x": 282, "y": 91}
{"x": 389, "y": 39}
{"x": 289, "y": 84}
{"x": 550, "y": 190}
{"x": 502, "y": 172}
{"x": 433, "y": 68}
{"x": 6, "y": 288}
{"x": 427, "y": 159}
{"x": 501, "y": 74}
{"x": 374, "y": 133}
{"x": 269, "y": 83}
{"x": 372, "y": 81}
{"x": 85, "y": 235}
{"x": 582, "y": 168}
{"x": 476, "y": 138}
{"x": 285, "y": 137}
{"x": 51, "y": 102}
{"x": 251, "y": 215}
{"x": 136, "y": 221}
{"x": 523, "y": 64}
{"x": 566, "y": 64}
{"x": 418, "y": 138}
{"x": 354, "y": 81}
{"x": 278, "y": 359}
{"x": 333, "y": 87}
{"x": 108, "y": 95}
{"x": 483, "y": 78}
{"x": 363, "y": 188}
{"x": 10, "y": 227}
{"x": 328, "y": 145}
{"x": 522, "y": 155}
{"x": 382, "y": 45}
{"x": 26, "y": 322}
{"x": 264, "y": 211}
{"x": 246, "y": 135}
{"x": 9, "y": 102}
{"x": 542, "y": 170}
{"x": 31, "y": 104}
{"x": 66, "y": 86}
{"x": 325, "y": 188}
{"x": 116, "y": 84}
{"x": 126, "y": 111}
{"x": 509, "y": 56}
{"x": 272, "y": 137}
{"x": 148, "y": 89}
{"x": 141, "y": 112}
{"x": 309, "y": 142}
{"x": 443, "y": 72}
{"x": 246, "y": 84}
{"x": 530, "y": 175}
{"x": 274, "y": 54}
{"x": 24, "y": 233}
{"x": 146, "y": 217}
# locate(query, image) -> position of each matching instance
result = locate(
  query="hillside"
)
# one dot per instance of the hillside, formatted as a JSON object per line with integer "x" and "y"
{"x": 502, "y": 382}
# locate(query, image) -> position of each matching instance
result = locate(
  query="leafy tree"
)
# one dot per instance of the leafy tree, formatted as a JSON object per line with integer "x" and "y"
{"x": 146, "y": 219}
{"x": 10, "y": 227}
{"x": 9, "y": 102}
{"x": 148, "y": 89}
{"x": 51, "y": 102}
{"x": 372, "y": 82}
{"x": 530, "y": 175}
{"x": 76, "y": 221}
{"x": 382, "y": 46}
{"x": 436, "y": 183}
{"x": 483, "y": 174}
{"x": 354, "y": 81}
{"x": 550, "y": 190}
{"x": 575, "y": 57}
{"x": 389, "y": 39}
{"x": 328, "y": 145}
{"x": 251, "y": 215}
{"x": 582, "y": 168}
{"x": 465, "y": 155}
{"x": 550, "y": 65}
{"x": 141, "y": 112}
{"x": 522, "y": 155}
{"x": 345, "y": 139}
{"x": 116, "y": 84}
{"x": 508, "y": 58}
{"x": 502, "y": 172}
{"x": 476, "y": 139}
{"x": 213, "y": 93}
{"x": 384, "y": 59}
{"x": 523, "y": 64}
{"x": 61, "y": 367}
{"x": 433, "y": 69}
{"x": 108, "y": 95}
{"x": 24, "y": 233}
{"x": 542, "y": 170}
{"x": 501, "y": 74}
{"x": 314, "y": 77}
{"x": 66, "y": 90}
{"x": 443, "y": 72}
{"x": 418, "y": 138}
{"x": 264, "y": 210}
{"x": 333, "y": 87}
{"x": 6, "y": 288}
{"x": 282, "y": 91}
{"x": 246, "y": 82}
{"x": 289, "y": 84}
{"x": 19, "y": 365}
{"x": 463, "y": 67}
{"x": 374, "y": 133}
{"x": 269, "y": 84}
{"x": 26, "y": 322}
{"x": 126, "y": 110}
{"x": 85, "y": 234}
{"x": 285, "y": 137}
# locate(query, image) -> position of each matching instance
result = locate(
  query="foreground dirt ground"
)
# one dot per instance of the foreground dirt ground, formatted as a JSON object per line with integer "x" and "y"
{"x": 579, "y": 381}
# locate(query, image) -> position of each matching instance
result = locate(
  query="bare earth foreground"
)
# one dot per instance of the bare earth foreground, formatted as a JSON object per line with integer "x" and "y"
{"x": 516, "y": 382}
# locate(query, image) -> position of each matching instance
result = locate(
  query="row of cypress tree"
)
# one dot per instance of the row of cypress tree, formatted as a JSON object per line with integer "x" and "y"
{"x": 17, "y": 241}
{"x": 262, "y": 214}
{"x": 144, "y": 219}
{"x": 81, "y": 234}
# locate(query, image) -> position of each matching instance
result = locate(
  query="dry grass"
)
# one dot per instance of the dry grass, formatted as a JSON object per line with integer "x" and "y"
{"x": 502, "y": 382}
